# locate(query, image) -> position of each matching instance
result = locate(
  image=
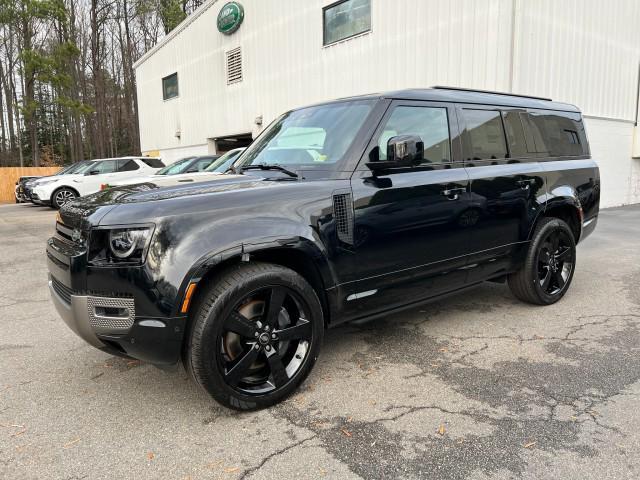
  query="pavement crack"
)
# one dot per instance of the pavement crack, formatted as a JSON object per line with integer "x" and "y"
{"x": 275, "y": 454}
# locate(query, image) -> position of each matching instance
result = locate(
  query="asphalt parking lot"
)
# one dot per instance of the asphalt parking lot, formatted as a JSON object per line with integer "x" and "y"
{"x": 474, "y": 386}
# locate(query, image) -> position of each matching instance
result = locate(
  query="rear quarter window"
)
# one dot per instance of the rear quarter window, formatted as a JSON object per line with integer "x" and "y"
{"x": 153, "y": 162}
{"x": 558, "y": 134}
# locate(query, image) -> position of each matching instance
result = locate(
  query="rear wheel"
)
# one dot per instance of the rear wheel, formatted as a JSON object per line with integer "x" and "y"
{"x": 548, "y": 269}
{"x": 62, "y": 196}
{"x": 256, "y": 335}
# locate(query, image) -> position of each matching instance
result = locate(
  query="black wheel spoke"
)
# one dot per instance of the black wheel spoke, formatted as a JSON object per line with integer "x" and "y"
{"x": 564, "y": 254}
{"x": 239, "y": 324}
{"x": 546, "y": 281}
{"x": 274, "y": 305}
{"x": 302, "y": 330}
{"x": 278, "y": 371}
{"x": 240, "y": 369}
{"x": 559, "y": 279}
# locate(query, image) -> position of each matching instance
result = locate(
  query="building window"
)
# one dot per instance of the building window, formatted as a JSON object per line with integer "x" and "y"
{"x": 345, "y": 19}
{"x": 170, "y": 87}
{"x": 234, "y": 66}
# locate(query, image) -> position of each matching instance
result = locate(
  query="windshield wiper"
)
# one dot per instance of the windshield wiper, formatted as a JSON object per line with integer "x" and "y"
{"x": 263, "y": 166}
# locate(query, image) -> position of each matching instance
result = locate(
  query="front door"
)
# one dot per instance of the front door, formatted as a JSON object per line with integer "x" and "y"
{"x": 410, "y": 224}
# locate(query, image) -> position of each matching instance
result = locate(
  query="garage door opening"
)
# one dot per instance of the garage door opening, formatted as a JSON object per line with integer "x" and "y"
{"x": 224, "y": 144}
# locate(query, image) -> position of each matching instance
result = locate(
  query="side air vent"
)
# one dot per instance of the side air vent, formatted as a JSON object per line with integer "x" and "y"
{"x": 234, "y": 66}
{"x": 343, "y": 215}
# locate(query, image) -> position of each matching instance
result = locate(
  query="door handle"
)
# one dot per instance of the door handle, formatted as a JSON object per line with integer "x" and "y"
{"x": 453, "y": 193}
{"x": 526, "y": 183}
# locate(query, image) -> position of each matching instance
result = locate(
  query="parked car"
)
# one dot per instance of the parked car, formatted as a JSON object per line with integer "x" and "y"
{"x": 20, "y": 191}
{"x": 90, "y": 178}
{"x": 168, "y": 176}
{"x": 29, "y": 185}
{"x": 407, "y": 197}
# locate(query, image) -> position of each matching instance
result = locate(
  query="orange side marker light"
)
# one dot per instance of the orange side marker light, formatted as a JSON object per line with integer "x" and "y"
{"x": 187, "y": 298}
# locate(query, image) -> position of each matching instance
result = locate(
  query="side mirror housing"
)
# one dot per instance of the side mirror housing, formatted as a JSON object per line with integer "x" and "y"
{"x": 402, "y": 151}
{"x": 92, "y": 172}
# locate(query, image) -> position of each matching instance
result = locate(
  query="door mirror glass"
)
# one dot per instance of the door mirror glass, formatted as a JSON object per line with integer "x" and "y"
{"x": 402, "y": 151}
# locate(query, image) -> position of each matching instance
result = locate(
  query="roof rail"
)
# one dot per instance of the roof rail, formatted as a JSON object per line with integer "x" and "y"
{"x": 440, "y": 87}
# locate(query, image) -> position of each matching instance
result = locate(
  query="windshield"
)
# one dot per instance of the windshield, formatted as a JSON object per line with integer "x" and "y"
{"x": 84, "y": 168}
{"x": 309, "y": 138}
{"x": 73, "y": 168}
{"x": 177, "y": 167}
{"x": 223, "y": 164}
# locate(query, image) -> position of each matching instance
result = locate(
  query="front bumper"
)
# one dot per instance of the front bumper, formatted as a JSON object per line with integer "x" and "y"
{"x": 110, "y": 325}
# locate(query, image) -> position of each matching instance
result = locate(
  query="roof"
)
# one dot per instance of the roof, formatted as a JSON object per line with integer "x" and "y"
{"x": 460, "y": 95}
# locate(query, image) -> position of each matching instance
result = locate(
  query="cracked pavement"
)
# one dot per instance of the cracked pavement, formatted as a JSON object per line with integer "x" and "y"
{"x": 474, "y": 386}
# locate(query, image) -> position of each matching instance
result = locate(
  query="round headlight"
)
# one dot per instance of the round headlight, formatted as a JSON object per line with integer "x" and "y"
{"x": 124, "y": 242}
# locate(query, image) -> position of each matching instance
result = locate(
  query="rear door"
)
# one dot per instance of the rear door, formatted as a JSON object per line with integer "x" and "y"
{"x": 508, "y": 187}
{"x": 411, "y": 234}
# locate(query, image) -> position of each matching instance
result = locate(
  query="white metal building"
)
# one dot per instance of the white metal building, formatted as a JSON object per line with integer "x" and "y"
{"x": 288, "y": 53}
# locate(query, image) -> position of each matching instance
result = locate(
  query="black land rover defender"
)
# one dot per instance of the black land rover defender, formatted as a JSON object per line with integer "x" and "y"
{"x": 339, "y": 211}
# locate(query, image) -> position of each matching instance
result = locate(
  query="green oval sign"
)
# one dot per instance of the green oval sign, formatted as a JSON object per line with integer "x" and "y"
{"x": 230, "y": 18}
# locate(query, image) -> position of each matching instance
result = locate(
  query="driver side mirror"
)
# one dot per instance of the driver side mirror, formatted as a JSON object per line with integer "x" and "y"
{"x": 402, "y": 151}
{"x": 93, "y": 172}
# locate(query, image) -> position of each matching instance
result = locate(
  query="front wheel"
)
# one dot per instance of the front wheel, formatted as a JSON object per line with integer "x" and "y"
{"x": 62, "y": 196}
{"x": 548, "y": 269}
{"x": 256, "y": 335}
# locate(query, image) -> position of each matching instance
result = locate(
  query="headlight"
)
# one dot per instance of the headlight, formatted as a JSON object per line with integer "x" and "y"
{"x": 119, "y": 245}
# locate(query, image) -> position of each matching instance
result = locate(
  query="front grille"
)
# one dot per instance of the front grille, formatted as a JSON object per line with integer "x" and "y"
{"x": 67, "y": 234}
{"x": 62, "y": 290}
{"x": 111, "y": 314}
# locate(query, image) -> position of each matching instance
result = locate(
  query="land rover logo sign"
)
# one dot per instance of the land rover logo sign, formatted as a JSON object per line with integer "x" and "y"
{"x": 230, "y": 18}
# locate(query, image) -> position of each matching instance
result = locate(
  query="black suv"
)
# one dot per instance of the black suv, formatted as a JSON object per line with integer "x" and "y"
{"x": 338, "y": 211}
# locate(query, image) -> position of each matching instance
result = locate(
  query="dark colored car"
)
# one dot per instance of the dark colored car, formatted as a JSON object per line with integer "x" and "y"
{"x": 20, "y": 191}
{"x": 341, "y": 211}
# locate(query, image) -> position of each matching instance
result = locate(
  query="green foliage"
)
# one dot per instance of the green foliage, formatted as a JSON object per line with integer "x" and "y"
{"x": 171, "y": 14}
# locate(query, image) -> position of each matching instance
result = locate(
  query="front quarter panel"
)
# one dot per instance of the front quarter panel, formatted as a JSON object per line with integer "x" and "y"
{"x": 196, "y": 232}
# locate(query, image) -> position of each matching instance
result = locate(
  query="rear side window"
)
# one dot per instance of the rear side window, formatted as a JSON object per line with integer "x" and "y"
{"x": 128, "y": 165}
{"x": 153, "y": 162}
{"x": 558, "y": 134}
{"x": 431, "y": 124}
{"x": 486, "y": 136}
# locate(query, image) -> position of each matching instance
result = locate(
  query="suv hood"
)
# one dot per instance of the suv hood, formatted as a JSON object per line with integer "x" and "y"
{"x": 168, "y": 188}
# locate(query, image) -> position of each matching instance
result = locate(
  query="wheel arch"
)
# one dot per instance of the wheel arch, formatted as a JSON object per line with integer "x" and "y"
{"x": 567, "y": 209}
{"x": 306, "y": 259}
{"x": 68, "y": 187}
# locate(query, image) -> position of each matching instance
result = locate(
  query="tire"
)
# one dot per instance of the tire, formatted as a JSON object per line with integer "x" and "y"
{"x": 62, "y": 196}
{"x": 242, "y": 369}
{"x": 550, "y": 263}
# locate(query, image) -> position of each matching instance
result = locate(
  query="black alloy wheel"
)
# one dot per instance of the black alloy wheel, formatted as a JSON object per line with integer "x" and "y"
{"x": 548, "y": 269}
{"x": 556, "y": 258}
{"x": 264, "y": 341}
{"x": 255, "y": 335}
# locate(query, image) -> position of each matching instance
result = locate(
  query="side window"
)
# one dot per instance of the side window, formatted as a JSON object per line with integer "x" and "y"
{"x": 431, "y": 124}
{"x": 559, "y": 134}
{"x": 106, "y": 166}
{"x": 127, "y": 166}
{"x": 201, "y": 164}
{"x": 519, "y": 137}
{"x": 486, "y": 135}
